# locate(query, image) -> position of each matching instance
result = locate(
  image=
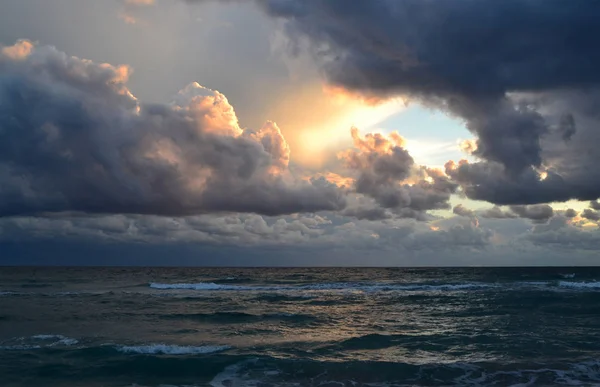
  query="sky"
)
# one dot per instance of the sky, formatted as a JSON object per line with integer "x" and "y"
{"x": 294, "y": 132}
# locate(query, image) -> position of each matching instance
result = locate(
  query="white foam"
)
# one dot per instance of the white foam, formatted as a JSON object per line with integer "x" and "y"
{"x": 164, "y": 349}
{"x": 38, "y": 342}
{"x": 198, "y": 286}
{"x": 579, "y": 285}
{"x": 55, "y": 340}
{"x": 47, "y": 337}
{"x": 571, "y": 275}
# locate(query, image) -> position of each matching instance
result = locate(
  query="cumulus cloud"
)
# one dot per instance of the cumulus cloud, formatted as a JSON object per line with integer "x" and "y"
{"x": 74, "y": 138}
{"x": 591, "y": 215}
{"x": 532, "y": 103}
{"x": 537, "y": 213}
{"x": 497, "y": 213}
{"x": 385, "y": 172}
{"x": 570, "y": 213}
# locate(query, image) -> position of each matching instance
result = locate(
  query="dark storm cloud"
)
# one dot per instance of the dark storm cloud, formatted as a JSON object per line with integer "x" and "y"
{"x": 522, "y": 74}
{"x": 595, "y": 205}
{"x": 73, "y": 138}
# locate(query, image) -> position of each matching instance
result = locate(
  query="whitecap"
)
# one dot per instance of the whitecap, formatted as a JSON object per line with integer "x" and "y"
{"x": 198, "y": 286}
{"x": 579, "y": 285}
{"x": 164, "y": 349}
{"x": 37, "y": 342}
{"x": 52, "y": 340}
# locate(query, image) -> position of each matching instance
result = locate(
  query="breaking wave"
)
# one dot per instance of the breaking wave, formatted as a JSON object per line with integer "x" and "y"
{"x": 379, "y": 287}
{"x": 262, "y": 372}
{"x": 199, "y": 286}
{"x": 37, "y": 342}
{"x": 164, "y": 349}
{"x": 579, "y": 285}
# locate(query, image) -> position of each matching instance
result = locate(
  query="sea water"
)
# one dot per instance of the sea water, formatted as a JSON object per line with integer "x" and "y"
{"x": 299, "y": 327}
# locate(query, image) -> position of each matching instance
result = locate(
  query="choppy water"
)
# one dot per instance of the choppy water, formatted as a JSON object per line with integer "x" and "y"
{"x": 299, "y": 327}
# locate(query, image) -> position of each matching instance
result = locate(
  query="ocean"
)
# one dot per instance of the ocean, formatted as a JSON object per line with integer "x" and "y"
{"x": 324, "y": 327}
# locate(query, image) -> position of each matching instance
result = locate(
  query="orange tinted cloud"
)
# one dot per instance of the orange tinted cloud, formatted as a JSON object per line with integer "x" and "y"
{"x": 18, "y": 51}
{"x": 341, "y": 95}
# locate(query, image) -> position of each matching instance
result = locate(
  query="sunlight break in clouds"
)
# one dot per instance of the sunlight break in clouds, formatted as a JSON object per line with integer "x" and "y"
{"x": 316, "y": 121}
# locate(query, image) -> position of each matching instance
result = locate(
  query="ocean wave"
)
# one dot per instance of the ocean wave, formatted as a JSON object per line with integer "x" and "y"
{"x": 240, "y": 317}
{"x": 198, "y": 286}
{"x": 353, "y": 287}
{"x": 19, "y": 347}
{"x": 327, "y": 286}
{"x": 579, "y": 285}
{"x": 233, "y": 280}
{"x": 164, "y": 349}
{"x": 275, "y": 298}
{"x": 45, "y": 294}
{"x": 263, "y": 372}
{"x": 56, "y": 339}
{"x": 37, "y": 342}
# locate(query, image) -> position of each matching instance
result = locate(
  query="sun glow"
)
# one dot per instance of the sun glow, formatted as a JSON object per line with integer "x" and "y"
{"x": 316, "y": 121}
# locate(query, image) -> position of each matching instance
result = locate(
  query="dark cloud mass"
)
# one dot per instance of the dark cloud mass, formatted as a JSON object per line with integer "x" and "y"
{"x": 497, "y": 213}
{"x": 73, "y": 138}
{"x": 538, "y": 212}
{"x": 387, "y": 173}
{"x": 591, "y": 215}
{"x": 522, "y": 74}
{"x": 570, "y": 213}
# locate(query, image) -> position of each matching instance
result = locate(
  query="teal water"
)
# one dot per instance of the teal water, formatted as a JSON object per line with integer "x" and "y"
{"x": 299, "y": 327}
